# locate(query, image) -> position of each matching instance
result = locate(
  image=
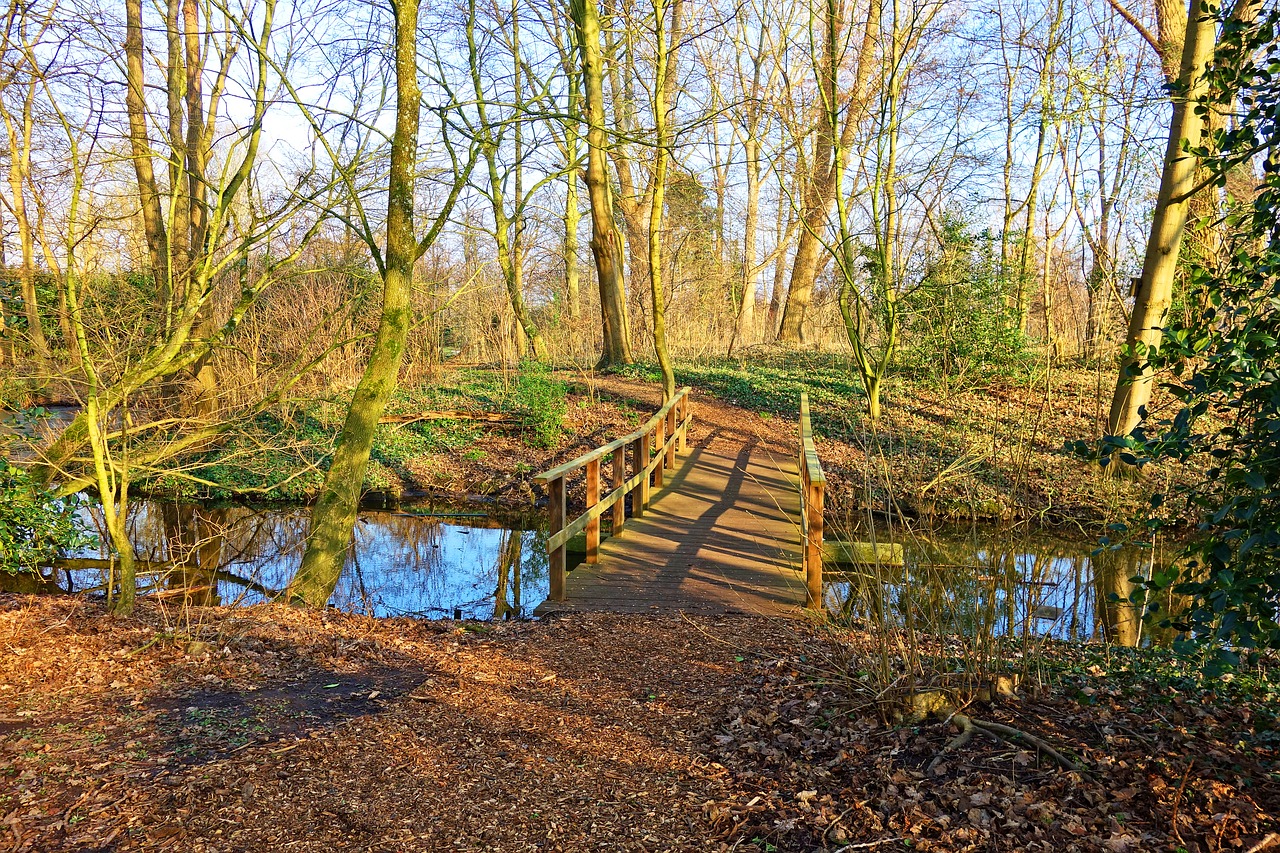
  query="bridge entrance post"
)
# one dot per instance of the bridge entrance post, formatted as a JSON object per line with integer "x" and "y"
{"x": 813, "y": 546}
{"x": 593, "y": 498}
{"x": 556, "y": 568}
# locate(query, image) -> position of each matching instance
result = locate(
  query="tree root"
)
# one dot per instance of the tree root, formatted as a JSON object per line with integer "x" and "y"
{"x": 967, "y": 728}
{"x": 1000, "y": 732}
{"x": 1017, "y": 736}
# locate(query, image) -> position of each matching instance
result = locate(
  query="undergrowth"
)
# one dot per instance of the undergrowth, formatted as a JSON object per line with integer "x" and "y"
{"x": 282, "y": 455}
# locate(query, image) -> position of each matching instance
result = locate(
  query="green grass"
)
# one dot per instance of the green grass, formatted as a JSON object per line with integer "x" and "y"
{"x": 771, "y": 385}
{"x": 282, "y": 455}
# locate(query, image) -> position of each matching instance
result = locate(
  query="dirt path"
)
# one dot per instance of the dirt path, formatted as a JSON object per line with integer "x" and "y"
{"x": 290, "y": 731}
{"x": 279, "y": 730}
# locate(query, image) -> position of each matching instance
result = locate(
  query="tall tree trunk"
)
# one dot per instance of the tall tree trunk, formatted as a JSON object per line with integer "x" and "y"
{"x": 827, "y": 175}
{"x": 571, "y": 212}
{"x": 506, "y": 228}
{"x": 19, "y": 128}
{"x": 663, "y": 93}
{"x": 140, "y": 151}
{"x": 750, "y": 274}
{"x": 334, "y": 515}
{"x": 606, "y": 242}
{"x": 1155, "y": 287}
{"x": 778, "y": 290}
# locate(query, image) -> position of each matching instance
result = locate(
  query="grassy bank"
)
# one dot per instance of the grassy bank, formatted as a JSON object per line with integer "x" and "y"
{"x": 990, "y": 449}
{"x": 474, "y": 432}
{"x": 985, "y": 451}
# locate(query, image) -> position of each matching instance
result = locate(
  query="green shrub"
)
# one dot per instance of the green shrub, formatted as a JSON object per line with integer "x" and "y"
{"x": 35, "y": 524}
{"x": 541, "y": 402}
{"x": 957, "y": 321}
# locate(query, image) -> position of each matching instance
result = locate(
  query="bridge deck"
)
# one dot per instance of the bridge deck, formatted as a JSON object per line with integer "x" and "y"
{"x": 720, "y": 536}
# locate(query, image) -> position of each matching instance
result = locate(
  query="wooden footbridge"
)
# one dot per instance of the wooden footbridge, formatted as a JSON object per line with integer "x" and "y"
{"x": 689, "y": 528}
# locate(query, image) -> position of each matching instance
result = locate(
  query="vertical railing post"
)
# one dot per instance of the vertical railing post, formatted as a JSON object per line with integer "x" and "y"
{"x": 659, "y": 440}
{"x": 593, "y": 498}
{"x": 813, "y": 545}
{"x": 639, "y": 494}
{"x": 684, "y": 417}
{"x": 672, "y": 426}
{"x": 619, "y": 480}
{"x": 641, "y": 466}
{"x": 555, "y": 496}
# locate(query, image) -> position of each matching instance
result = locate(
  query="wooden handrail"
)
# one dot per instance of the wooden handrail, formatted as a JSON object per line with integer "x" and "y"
{"x": 813, "y": 484}
{"x": 666, "y": 433}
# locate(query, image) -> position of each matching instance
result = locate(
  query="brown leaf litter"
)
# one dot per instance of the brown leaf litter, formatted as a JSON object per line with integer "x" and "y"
{"x": 269, "y": 728}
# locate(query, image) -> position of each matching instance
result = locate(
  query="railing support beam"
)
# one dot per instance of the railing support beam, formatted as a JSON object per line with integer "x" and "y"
{"x": 555, "y": 497}
{"x": 619, "y": 479}
{"x": 659, "y": 435}
{"x": 672, "y": 427}
{"x": 593, "y": 498}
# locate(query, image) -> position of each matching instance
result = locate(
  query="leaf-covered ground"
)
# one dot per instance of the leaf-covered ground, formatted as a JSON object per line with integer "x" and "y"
{"x": 274, "y": 729}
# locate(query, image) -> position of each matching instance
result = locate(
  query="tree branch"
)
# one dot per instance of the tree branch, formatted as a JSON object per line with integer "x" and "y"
{"x": 1138, "y": 25}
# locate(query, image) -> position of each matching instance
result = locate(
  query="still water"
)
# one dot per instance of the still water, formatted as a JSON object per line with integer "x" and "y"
{"x": 998, "y": 582}
{"x": 442, "y": 562}
{"x": 432, "y": 562}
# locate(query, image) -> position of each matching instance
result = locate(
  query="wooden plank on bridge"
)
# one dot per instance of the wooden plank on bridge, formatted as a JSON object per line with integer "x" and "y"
{"x": 721, "y": 536}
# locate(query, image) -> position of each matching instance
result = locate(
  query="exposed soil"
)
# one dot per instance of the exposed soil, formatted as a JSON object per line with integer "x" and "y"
{"x": 274, "y": 729}
{"x": 598, "y": 413}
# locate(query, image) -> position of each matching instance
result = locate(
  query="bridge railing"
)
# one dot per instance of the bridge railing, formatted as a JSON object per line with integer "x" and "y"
{"x": 652, "y": 450}
{"x": 813, "y": 484}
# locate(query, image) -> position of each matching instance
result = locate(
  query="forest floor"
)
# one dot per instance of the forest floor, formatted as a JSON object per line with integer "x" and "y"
{"x": 269, "y": 728}
{"x": 989, "y": 450}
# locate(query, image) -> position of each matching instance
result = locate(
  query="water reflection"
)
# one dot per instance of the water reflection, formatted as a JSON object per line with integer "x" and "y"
{"x": 446, "y": 562}
{"x": 992, "y": 583}
{"x": 421, "y": 562}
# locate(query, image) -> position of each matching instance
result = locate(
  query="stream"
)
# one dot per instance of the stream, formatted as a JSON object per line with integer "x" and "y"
{"x": 467, "y": 562}
{"x": 426, "y": 561}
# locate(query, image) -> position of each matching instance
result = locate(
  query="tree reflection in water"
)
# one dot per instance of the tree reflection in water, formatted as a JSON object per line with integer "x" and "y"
{"x": 994, "y": 583}
{"x": 399, "y": 563}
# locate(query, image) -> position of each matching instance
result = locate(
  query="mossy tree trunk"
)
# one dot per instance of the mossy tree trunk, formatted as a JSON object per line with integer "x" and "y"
{"x": 1154, "y": 291}
{"x": 606, "y": 241}
{"x": 333, "y": 517}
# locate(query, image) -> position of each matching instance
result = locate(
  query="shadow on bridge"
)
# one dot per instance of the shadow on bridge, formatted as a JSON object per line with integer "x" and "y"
{"x": 722, "y": 535}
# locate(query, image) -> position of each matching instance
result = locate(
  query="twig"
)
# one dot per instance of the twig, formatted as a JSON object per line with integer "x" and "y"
{"x": 1177, "y": 800}
{"x": 1011, "y": 734}
{"x": 865, "y": 845}
{"x": 1271, "y": 840}
{"x": 157, "y": 638}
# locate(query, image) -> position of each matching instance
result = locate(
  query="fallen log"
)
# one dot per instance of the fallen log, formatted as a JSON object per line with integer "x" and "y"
{"x": 479, "y": 417}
